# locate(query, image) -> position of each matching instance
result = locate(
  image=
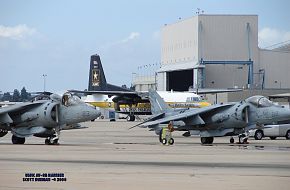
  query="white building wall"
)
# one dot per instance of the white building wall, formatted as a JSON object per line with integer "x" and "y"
{"x": 179, "y": 42}
{"x": 225, "y": 38}
{"x": 277, "y": 68}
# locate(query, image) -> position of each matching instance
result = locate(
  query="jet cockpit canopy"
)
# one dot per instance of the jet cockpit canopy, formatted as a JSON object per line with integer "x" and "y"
{"x": 69, "y": 99}
{"x": 260, "y": 101}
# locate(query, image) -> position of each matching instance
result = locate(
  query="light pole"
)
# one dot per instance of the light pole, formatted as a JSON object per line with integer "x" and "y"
{"x": 132, "y": 82}
{"x": 44, "y": 78}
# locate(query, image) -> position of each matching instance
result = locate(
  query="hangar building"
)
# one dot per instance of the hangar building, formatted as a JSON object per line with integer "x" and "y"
{"x": 219, "y": 51}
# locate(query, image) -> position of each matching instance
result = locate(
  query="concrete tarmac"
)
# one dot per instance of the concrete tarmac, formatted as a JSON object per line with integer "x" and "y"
{"x": 108, "y": 156}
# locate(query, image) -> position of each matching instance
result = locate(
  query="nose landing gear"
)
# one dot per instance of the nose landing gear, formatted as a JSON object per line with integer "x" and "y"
{"x": 53, "y": 140}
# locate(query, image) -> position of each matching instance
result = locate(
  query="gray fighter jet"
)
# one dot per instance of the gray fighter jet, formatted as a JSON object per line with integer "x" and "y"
{"x": 45, "y": 117}
{"x": 213, "y": 121}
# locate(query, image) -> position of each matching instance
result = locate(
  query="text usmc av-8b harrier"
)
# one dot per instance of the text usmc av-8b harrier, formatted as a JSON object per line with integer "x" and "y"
{"x": 45, "y": 117}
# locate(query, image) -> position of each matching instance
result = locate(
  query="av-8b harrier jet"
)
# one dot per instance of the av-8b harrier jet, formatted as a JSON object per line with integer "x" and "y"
{"x": 45, "y": 117}
{"x": 213, "y": 121}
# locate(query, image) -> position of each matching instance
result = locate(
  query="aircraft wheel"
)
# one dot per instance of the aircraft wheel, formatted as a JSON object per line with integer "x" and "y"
{"x": 209, "y": 140}
{"x": 206, "y": 140}
{"x": 203, "y": 140}
{"x": 164, "y": 141}
{"x": 55, "y": 142}
{"x": 232, "y": 140}
{"x": 47, "y": 141}
{"x": 273, "y": 138}
{"x": 17, "y": 140}
{"x": 258, "y": 135}
{"x": 131, "y": 118}
{"x": 171, "y": 141}
{"x": 288, "y": 134}
{"x": 243, "y": 139}
{"x": 160, "y": 136}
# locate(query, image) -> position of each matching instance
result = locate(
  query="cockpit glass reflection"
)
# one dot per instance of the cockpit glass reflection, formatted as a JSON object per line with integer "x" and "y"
{"x": 260, "y": 101}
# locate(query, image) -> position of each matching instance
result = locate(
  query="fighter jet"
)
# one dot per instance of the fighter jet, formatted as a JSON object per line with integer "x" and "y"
{"x": 213, "y": 121}
{"x": 45, "y": 117}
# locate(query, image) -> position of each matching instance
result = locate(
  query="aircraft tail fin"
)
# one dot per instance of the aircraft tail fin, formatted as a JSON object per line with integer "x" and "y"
{"x": 97, "y": 79}
{"x": 158, "y": 105}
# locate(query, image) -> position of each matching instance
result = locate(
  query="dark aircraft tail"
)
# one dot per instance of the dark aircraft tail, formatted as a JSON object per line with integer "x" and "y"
{"x": 97, "y": 79}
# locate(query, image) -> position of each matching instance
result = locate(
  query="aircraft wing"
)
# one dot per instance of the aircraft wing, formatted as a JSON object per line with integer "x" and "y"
{"x": 21, "y": 107}
{"x": 193, "y": 115}
{"x": 214, "y": 90}
{"x": 153, "y": 118}
{"x": 110, "y": 93}
{"x": 120, "y": 96}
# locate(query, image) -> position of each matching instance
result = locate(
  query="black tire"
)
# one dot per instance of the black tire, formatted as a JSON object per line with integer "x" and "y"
{"x": 55, "y": 142}
{"x": 132, "y": 118}
{"x": 203, "y": 140}
{"x": 232, "y": 140}
{"x": 164, "y": 141}
{"x": 206, "y": 140}
{"x": 171, "y": 141}
{"x": 17, "y": 140}
{"x": 288, "y": 135}
{"x": 47, "y": 142}
{"x": 273, "y": 138}
{"x": 259, "y": 135}
{"x": 210, "y": 140}
{"x": 160, "y": 135}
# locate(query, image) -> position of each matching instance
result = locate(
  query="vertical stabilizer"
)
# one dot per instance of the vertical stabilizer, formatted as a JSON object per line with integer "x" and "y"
{"x": 158, "y": 105}
{"x": 97, "y": 79}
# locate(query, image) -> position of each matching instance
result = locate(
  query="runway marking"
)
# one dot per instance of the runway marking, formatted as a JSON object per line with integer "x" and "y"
{"x": 162, "y": 164}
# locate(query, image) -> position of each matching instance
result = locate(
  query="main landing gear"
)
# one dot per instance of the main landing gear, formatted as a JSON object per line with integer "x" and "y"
{"x": 206, "y": 140}
{"x": 17, "y": 140}
{"x": 131, "y": 118}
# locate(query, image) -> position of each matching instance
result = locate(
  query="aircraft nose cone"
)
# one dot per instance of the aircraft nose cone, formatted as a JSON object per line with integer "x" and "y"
{"x": 96, "y": 113}
{"x": 286, "y": 113}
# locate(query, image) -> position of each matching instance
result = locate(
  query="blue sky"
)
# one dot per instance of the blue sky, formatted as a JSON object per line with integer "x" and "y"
{"x": 57, "y": 37}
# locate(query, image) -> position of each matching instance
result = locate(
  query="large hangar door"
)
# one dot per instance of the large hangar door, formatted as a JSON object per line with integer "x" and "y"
{"x": 179, "y": 80}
